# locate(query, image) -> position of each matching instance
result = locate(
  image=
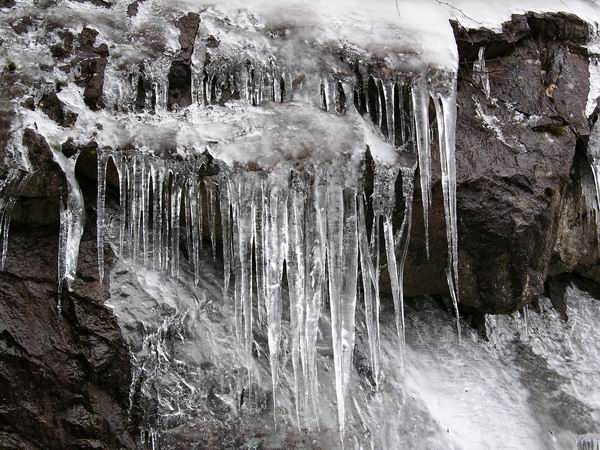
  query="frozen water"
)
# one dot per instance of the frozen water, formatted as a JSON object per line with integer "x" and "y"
{"x": 288, "y": 122}
{"x": 543, "y": 381}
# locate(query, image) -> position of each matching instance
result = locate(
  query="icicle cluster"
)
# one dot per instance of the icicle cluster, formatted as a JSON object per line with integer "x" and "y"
{"x": 160, "y": 202}
{"x": 305, "y": 227}
{"x": 314, "y": 221}
{"x": 10, "y": 188}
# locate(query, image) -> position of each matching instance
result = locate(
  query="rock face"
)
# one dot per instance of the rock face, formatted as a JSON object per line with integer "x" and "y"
{"x": 515, "y": 154}
{"x": 65, "y": 374}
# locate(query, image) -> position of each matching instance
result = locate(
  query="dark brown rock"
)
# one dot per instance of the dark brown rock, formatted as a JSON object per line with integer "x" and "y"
{"x": 54, "y": 108}
{"x": 64, "y": 375}
{"x": 514, "y": 158}
{"x": 180, "y": 74}
{"x": 92, "y": 62}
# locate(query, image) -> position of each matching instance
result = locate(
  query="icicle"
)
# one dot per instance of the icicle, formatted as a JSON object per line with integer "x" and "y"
{"x": 226, "y": 234}
{"x": 157, "y": 217}
{"x": 195, "y": 229}
{"x": 445, "y": 106}
{"x": 388, "y": 89}
{"x": 72, "y": 213}
{"x": 342, "y": 256}
{"x": 167, "y": 230}
{"x": 260, "y": 238}
{"x": 146, "y": 184}
{"x": 296, "y": 282}
{"x": 245, "y": 237}
{"x": 315, "y": 241}
{"x": 211, "y": 212}
{"x": 369, "y": 267}
{"x": 481, "y": 74}
{"x": 10, "y": 191}
{"x": 102, "y": 158}
{"x": 402, "y": 240}
{"x": 135, "y": 208}
{"x": 420, "y": 97}
{"x": 123, "y": 176}
{"x": 175, "y": 220}
{"x": 275, "y": 252}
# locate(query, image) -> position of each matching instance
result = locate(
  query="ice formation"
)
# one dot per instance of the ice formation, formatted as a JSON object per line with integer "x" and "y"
{"x": 266, "y": 163}
{"x": 305, "y": 218}
{"x": 10, "y": 187}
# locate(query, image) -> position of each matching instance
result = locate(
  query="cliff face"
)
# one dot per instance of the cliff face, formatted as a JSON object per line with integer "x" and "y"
{"x": 518, "y": 156}
{"x": 521, "y": 159}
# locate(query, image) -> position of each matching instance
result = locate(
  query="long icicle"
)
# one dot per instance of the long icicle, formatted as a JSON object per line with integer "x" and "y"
{"x": 276, "y": 217}
{"x": 420, "y": 100}
{"x": 102, "y": 157}
{"x": 315, "y": 242}
{"x": 445, "y": 106}
{"x": 370, "y": 280}
{"x": 296, "y": 282}
{"x": 342, "y": 258}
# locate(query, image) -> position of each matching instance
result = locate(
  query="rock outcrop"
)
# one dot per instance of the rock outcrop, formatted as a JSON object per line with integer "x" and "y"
{"x": 515, "y": 155}
{"x": 65, "y": 372}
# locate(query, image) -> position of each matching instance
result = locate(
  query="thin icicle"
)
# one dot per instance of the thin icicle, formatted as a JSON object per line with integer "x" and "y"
{"x": 481, "y": 74}
{"x": 296, "y": 282}
{"x": 245, "y": 232}
{"x": 195, "y": 229}
{"x": 122, "y": 170}
{"x": 315, "y": 251}
{"x": 369, "y": 267}
{"x": 276, "y": 220}
{"x": 342, "y": 256}
{"x": 9, "y": 192}
{"x": 225, "y": 234}
{"x": 157, "y": 217}
{"x": 211, "y": 213}
{"x": 102, "y": 157}
{"x": 175, "y": 225}
{"x": 388, "y": 90}
{"x": 445, "y": 106}
{"x": 145, "y": 203}
{"x": 260, "y": 237}
{"x": 420, "y": 98}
